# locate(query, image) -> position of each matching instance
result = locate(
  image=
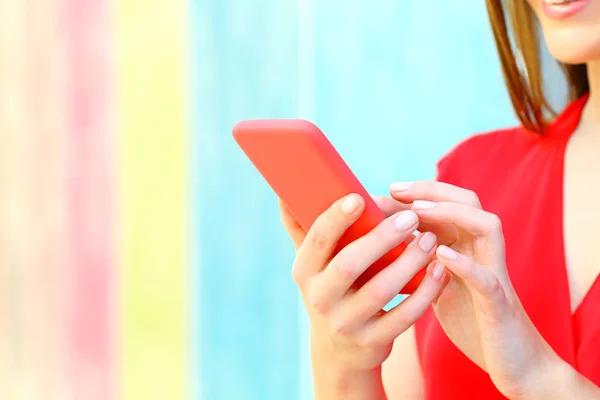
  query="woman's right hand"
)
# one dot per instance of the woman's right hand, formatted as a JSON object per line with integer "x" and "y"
{"x": 350, "y": 331}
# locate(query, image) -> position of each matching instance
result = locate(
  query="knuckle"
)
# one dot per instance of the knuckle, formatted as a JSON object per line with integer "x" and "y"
{"x": 375, "y": 296}
{"x": 316, "y": 302}
{"x": 425, "y": 186}
{"x": 327, "y": 228}
{"x": 297, "y": 274}
{"x": 346, "y": 271}
{"x": 339, "y": 327}
{"x": 324, "y": 227}
{"x": 473, "y": 199}
{"x": 494, "y": 223}
{"x": 493, "y": 286}
{"x": 404, "y": 318}
{"x": 320, "y": 240}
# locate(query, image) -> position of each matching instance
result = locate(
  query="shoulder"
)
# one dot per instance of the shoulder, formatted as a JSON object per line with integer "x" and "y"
{"x": 478, "y": 154}
{"x": 484, "y": 160}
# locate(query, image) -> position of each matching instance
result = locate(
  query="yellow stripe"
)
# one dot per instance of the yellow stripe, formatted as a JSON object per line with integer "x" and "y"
{"x": 151, "y": 49}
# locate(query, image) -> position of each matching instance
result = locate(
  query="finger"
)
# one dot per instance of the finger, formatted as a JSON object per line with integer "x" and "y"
{"x": 446, "y": 233}
{"x": 407, "y": 192}
{"x": 485, "y": 283}
{"x": 291, "y": 225}
{"x": 473, "y": 220}
{"x": 389, "y": 206}
{"x": 384, "y": 286}
{"x": 389, "y": 326}
{"x": 323, "y": 236}
{"x": 345, "y": 268}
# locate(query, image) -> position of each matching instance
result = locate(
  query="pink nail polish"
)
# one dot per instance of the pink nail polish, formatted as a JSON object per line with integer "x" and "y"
{"x": 438, "y": 271}
{"x": 423, "y": 205}
{"x": 400, "y": 186}
{"x": 406, "y": 220}
{"x": 351, "y": 204}
{"x": 447, "y": 252}
{"x": 427, "y": 242}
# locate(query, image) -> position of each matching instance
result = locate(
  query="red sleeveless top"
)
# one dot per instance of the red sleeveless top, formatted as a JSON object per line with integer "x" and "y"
{"x": 515, "y": 174}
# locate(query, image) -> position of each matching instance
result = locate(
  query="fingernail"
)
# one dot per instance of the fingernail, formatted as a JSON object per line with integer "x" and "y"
{"x": 423, "y": 205}
{"x": 400, "y": 186}
{"x": 350, "y": 204}
{"x": 377, "y": 200}
{"x": 427, "y": 242}
{"x": 438, "y": 271}
{"x": 447, "y": 252}
{"x": 406, "y": 220}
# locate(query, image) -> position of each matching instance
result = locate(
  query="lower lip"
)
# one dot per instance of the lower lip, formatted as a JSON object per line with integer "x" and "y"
{"x": 563, "y": 11}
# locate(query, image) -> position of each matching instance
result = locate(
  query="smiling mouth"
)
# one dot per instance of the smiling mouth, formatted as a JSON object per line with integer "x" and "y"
{"x": 563, "y": 9}
{"x": 559, "y": 2}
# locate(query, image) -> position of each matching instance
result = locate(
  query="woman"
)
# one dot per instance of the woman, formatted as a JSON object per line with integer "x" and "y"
{"x": 508, "y": 234}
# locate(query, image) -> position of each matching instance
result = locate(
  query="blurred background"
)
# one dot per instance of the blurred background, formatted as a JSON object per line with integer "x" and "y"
{"x": 141, "y": 255}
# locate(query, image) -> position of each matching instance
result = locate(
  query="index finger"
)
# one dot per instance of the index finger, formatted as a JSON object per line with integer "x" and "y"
{"x": 408, "y": 192}
{"x": 322, "y": 238}
{"x": 388, "y": 205}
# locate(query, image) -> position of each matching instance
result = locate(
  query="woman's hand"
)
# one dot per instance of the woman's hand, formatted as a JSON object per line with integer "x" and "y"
{"x": 479, "y": 309}
{"x": 351, "y": 334}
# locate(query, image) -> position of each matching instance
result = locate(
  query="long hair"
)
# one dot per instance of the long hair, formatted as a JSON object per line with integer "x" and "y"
{"x": 516, "y": 19}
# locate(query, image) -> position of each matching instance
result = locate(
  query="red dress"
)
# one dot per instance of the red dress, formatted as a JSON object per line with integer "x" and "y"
{"x": 518, "y": 176}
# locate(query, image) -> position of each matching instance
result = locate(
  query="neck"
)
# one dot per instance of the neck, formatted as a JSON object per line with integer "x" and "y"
{"x": 592, "y": 108}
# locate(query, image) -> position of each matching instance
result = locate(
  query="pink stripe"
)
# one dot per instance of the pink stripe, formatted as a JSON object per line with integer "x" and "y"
{"x": 91, "y": 194}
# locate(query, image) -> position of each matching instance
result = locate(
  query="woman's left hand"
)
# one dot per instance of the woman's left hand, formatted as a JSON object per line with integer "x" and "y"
{"x": 479, "y": 309}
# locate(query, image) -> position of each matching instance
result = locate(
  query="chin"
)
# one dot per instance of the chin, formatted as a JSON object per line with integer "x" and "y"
{"x": 571, "y": 31}
{"x": 575, "y": 46}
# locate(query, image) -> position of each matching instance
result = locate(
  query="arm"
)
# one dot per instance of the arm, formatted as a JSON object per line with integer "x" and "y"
{"x": 505, "y": 343}
{"x": 563, "y": 382}
{"x": 331, "y": 383}
{"x": 399, "y": 378}
{"x": 402, "y": 376}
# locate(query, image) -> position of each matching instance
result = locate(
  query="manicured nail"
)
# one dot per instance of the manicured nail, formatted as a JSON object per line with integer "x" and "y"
{"x": 423, "y": 205}
{"x": 400, "y": 186}
{"x": 438, "y": 271}
{"x": 427, "y": 242}
{"x": 377, "y": 200}
{"x": 351, "y": 204}
{"x": 447, "y": 252}
{"x": 405, "y": 220}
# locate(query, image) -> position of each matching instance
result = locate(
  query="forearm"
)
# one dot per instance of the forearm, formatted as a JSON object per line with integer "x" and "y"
{"x": 331, "y": 383}
{"x": 563, "y": 382}
{"x": 570, "y": 384}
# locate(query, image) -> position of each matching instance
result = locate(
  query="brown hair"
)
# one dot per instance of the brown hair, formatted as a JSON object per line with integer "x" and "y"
{"x": 516, "y": 19}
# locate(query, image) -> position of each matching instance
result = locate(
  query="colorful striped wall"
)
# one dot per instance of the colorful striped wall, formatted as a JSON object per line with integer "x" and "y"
{"x": 141, "y": 255}
{"x": 94, "y": 209}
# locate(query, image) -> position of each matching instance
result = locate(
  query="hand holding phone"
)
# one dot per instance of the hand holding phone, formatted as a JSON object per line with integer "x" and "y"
{"x": 308, "y": 175}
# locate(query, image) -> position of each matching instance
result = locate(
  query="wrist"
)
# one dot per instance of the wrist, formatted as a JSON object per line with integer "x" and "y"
{"x": 334, "y": 382}
{"x": 558, "y": 381}
{"x": 338, "y": 376}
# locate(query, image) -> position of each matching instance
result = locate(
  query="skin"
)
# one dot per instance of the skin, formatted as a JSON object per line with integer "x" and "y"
{"x": 468, "y": 285}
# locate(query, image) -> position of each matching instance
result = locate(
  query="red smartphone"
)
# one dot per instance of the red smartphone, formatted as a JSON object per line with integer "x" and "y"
{"x": 307, "y": 173}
